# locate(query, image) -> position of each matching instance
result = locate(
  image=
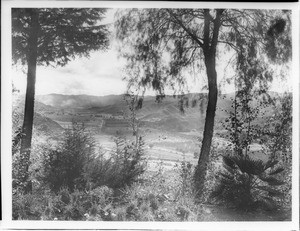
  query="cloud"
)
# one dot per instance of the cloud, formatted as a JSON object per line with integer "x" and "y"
{"x": 100, "y": 74}
{"x": 79, "y": 81}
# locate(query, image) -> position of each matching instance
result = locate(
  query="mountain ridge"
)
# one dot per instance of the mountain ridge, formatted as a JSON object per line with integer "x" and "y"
{"x": 165, "y": 115}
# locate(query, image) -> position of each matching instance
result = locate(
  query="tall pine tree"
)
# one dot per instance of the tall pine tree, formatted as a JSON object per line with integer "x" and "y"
{"x": 50, "y": 36}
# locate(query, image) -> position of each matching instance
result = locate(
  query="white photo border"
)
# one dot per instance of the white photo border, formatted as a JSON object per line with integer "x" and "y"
{"x": 6, "y": 122}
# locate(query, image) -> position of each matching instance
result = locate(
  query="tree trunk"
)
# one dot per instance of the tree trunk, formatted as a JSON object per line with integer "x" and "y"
{"x": 208, "y": 129}
{"x": 210, "y": 41}
{"x": 29, "y": 102}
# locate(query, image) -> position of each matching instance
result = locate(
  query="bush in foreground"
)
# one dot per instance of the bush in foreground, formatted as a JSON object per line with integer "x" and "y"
{"x": 76, "y": 164}
{"x": 158, "y": 196}
{"x": 246, "y": 183}
{"x": 123, "y": 166}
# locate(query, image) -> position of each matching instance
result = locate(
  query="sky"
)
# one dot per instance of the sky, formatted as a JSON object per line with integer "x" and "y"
{"x": 100, "y": 74}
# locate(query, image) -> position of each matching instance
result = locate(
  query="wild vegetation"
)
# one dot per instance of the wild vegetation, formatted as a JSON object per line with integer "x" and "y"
{"x": 106, "y": 159}
{"x": 73, "y": 178}
{"x": 163, "y": 45}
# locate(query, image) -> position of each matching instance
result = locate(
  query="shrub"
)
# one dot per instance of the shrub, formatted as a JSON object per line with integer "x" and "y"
{"x": 246, "y": 183}
{"x": 75, "y": 164}
{"x": 123, "y": 167}
{"x": 185, "y": 177}
{"x": 64, "y": 165}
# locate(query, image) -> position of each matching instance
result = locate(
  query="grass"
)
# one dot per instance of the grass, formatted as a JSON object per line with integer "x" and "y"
{"x": 160, "y": 195}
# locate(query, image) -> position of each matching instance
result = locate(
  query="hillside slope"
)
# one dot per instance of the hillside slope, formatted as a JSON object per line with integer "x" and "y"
{"x": 41, "y": 121}
{"x": 164, "y": 115}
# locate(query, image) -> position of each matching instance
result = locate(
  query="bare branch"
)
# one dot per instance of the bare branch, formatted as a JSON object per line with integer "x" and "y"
{"x": 230, "y": 44}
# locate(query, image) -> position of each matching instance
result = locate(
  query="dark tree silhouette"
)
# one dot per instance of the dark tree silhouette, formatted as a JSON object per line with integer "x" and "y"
{"x": 50, "y": 36}
{"x": 160, "y": 45}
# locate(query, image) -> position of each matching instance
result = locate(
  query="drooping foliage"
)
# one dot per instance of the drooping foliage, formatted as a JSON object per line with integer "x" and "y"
{"x": 162, "y": 46}
{"x": 279, "y": 43}
{"x": 277, "y": 134}
{"x": 167, "y": 47}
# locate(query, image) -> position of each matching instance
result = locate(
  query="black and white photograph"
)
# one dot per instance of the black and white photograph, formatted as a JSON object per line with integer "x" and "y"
{"x": 178, "y": 114}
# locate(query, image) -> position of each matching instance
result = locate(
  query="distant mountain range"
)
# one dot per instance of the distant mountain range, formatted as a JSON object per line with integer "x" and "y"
{"x": 89, "y": 101}
{"x": 164, "y": 115}
{"x": 78, "y": 101}
{"x": 51, "y": 111}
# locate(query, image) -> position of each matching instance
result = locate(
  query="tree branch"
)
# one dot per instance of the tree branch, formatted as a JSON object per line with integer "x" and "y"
{"x": 194, "y": 37}
{"x": 230, "y": 44}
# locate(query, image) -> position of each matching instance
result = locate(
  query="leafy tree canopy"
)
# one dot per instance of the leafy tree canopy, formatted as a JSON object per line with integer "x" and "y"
{"x": 162, "y": 45}
{"x": 63, "y": 33}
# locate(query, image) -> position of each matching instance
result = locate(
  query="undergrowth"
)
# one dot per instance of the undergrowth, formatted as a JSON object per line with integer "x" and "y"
{"x": 162, "y": 195}
{"x": 76, "y": 180}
